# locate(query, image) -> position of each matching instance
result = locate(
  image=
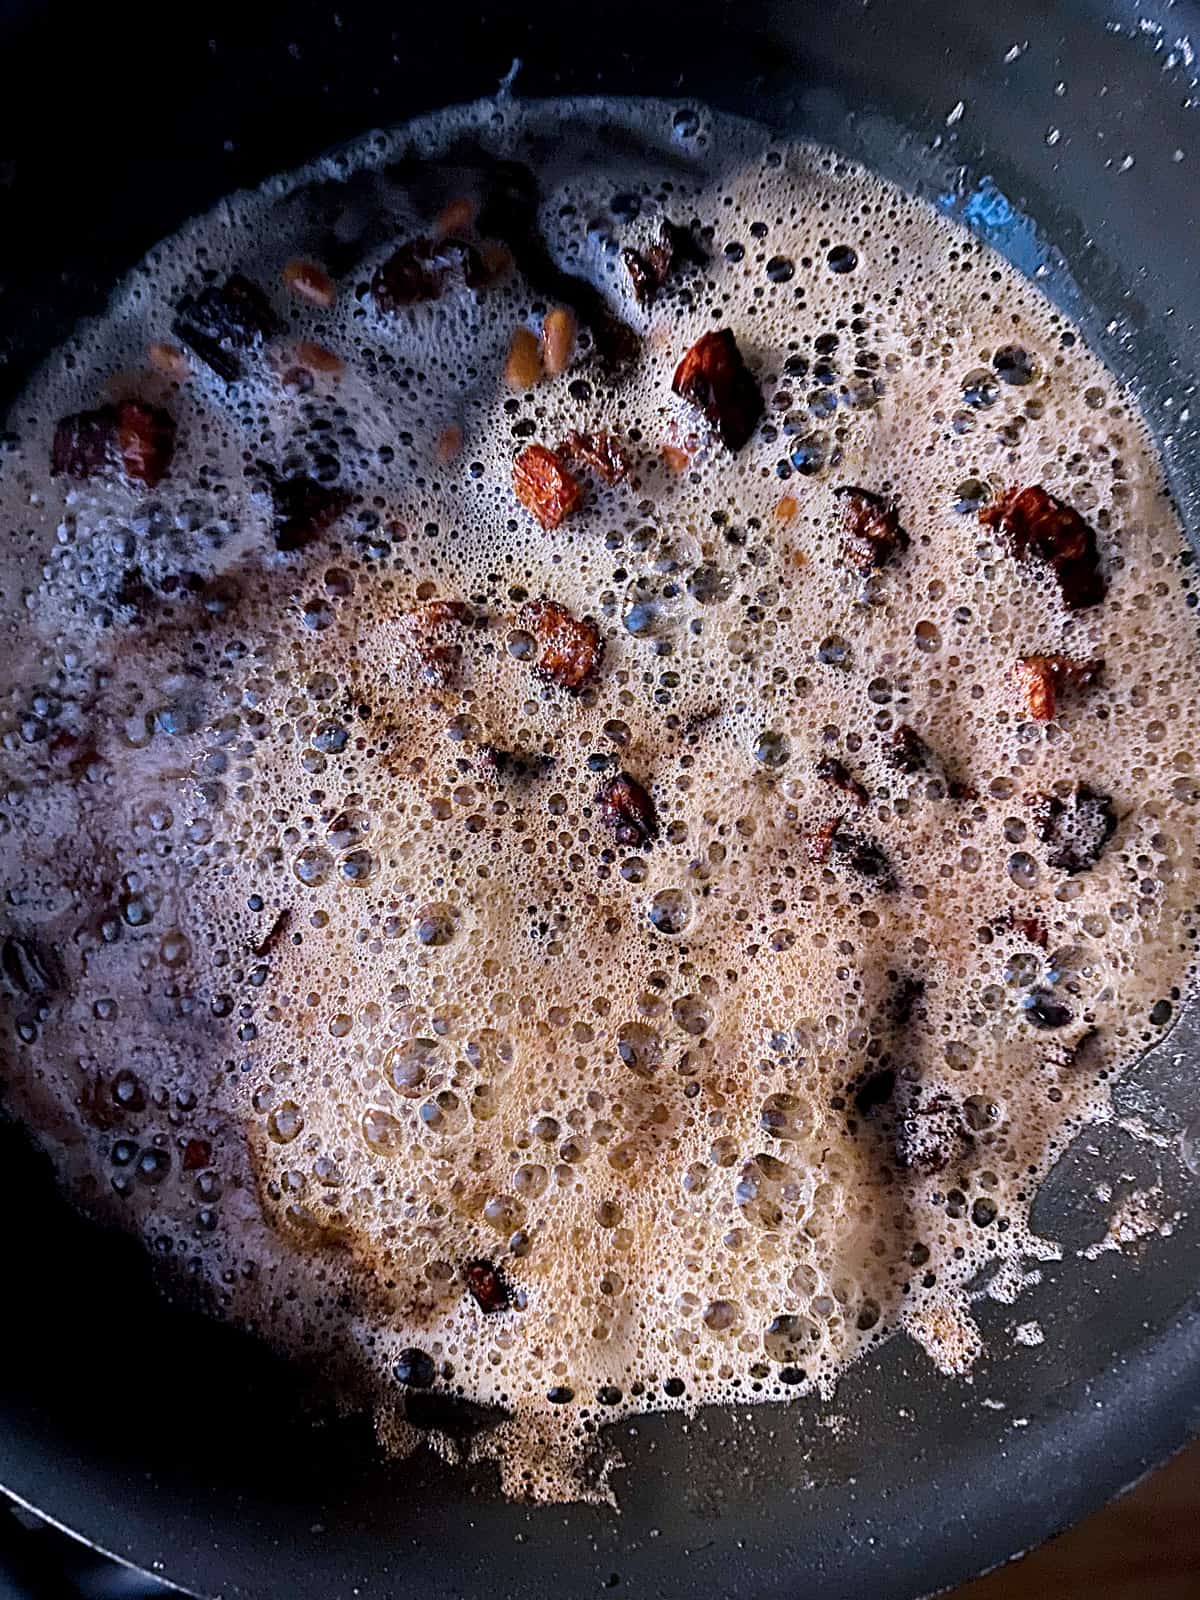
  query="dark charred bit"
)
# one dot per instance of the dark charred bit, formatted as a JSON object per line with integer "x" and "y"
{"x": 1076, "y": 830}
{"x": 929, "y": 1133}
{"x": 820, "y": 842}
{"x": 601, "y": 450}
{"x": 649, "y": 269}
{"x": 95, "y": 1101}
{"x": 1044, "y": 1009}
{"x": 424, "y": 269}
{"x": 133, "y": 438}
{"x": 220, "y": 323}
{"x": 918, "y": 1132}
{"x": 628, "y": 810}
{"x": 908, "y": 991}
{"x": 29, "y": 966}
{"x": 907, "y": 752}
{"x": 570, "y": 648}
{"x": 197, "y": 1154}
{"x": 1036, "y": 526}
{"x": 864, "y": 857}
{"x": 715, "y": 379}
{"x": 274, "y": 933}
{"x": 674, "y": 245}
{"x": 431, "y": 625}
{"x": 957, "y": 789}
{"x": 455, "y": 1416}
{"x": 698, "y": 721}
{"x": 871, "y": 531}
{"x": 545, "y": 486}
{"x": 1040, "y": 679}
{"x": 487, "y": 1286}
{"x": 497, "y": 763}
{"x": 874, "y": 1091}
{"x": 303, "y": 508}
{"x": 838, "y": 776}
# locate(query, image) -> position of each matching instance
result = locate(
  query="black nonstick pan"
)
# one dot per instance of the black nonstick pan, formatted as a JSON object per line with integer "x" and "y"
{"x": 1069, "y": 135}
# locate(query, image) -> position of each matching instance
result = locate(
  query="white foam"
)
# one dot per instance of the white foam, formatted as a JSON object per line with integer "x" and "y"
{"x": 650, "y": 1225}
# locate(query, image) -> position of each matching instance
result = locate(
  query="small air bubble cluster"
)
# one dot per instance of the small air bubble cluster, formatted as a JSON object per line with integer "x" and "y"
{"x": 669, "y": 1037}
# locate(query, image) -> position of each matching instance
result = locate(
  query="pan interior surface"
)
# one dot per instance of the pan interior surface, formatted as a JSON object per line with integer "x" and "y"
{"x": 176, "y": 1445}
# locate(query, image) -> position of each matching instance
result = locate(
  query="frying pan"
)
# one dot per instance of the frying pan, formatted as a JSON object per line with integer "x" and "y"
{"x": 183, "y": 1447}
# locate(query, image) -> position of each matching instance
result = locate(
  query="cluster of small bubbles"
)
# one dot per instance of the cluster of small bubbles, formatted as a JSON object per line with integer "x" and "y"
{"x": 398, "y": 1016}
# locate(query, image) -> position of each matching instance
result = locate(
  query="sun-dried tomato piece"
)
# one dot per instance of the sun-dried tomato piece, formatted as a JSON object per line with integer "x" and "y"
{"x": 650, "y": 268}
{"x": 219, "y": 322}
{"x": 145, "y": 441}
{"x": 487, "y": 1286}
{"x": 715, "y": 379}
{"x": 303, "y": 508}
{"x": 133, "y": 438}
{"x": 907, "y": 752}
{"x": 1033, "y": 929}
{"x": 197, "y": 1153}
{"x": 601, "y": 450}
{"x": 819, "y": 843}
{"x": 83, "y": 443}
{"x": 838, "y": 776}
{"x": 871, "y": 531}
{"x": 545, "y": 486}
{"x": 1076, "y": 830}
{"x": 628, "y": 810}
{"x": 1037, "y": 526}
{"x": 423, "y": 269}
{"x": 1025, "y": 924}
{"x": 431, "y": 625}
{"x": 570, "y": 648}
{"x": 1040, "y": 678}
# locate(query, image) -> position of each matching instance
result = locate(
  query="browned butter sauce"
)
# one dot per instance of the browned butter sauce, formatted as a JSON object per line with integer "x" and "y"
{"x": 336, "y": 968}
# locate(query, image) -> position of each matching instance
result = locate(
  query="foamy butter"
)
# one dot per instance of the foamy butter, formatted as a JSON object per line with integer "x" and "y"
{"x": 336, "y": 1010}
